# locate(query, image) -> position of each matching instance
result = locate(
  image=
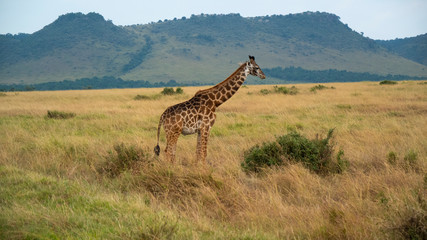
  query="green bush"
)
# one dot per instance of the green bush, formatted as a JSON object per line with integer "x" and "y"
{"x": 168, "y": 91}
{"x": 411, "y": 158}
{"x": 284, "y": 90}
{"x": 392, "y": 158}
{"x": 318, "y": 87}
{"x": 315, "y": 154}
{"x": 171, "y": 91}
{"x": 60, "y": 115}
{"x": 179, "y": 90}
{"x": 281, "y": 90}
{"x": 388, "y": 82}
{"x": 258, "y": 157}
{"x": 342, "y": 163}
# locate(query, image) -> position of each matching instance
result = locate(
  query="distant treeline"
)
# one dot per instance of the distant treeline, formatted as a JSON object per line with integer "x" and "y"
{"x": 290, "y": 74}
{"x": 297, "y": 74}
{"x": 87, "y": 83}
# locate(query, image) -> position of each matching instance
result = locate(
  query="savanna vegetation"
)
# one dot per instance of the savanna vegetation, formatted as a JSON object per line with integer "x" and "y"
{"x": 80, "y": 165}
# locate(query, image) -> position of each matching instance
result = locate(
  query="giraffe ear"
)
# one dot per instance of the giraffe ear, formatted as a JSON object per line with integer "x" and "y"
{"x": 251, "y": 58}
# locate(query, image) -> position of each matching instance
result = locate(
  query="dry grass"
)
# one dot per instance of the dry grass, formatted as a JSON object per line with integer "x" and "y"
{"x": 375, "y": 198}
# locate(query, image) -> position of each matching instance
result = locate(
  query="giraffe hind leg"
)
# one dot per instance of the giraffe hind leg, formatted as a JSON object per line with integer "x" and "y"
{"x": 170, "y": 150}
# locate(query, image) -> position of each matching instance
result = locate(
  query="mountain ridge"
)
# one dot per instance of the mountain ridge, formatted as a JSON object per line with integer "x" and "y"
{"x": 414, "y": 48}
{"x": 202, "y": 48}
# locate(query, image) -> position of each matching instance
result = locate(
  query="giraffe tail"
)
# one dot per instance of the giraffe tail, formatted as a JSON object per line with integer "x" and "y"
{"x": 157, "y": 147}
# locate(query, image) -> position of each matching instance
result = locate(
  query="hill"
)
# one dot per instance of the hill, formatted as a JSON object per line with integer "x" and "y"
{"x": 414, "y": 48}
{"x": 197, "y": 50}
{"x": 75, "y": 45}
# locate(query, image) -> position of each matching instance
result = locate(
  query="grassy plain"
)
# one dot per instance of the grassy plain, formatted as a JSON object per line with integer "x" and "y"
{"x": 53, "y": 186}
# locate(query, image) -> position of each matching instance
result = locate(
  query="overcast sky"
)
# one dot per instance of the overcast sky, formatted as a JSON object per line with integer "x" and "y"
{"x": 378, "y": 19}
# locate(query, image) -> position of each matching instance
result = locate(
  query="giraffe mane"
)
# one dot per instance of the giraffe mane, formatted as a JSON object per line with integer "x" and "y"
{"x": 223, "y": 82}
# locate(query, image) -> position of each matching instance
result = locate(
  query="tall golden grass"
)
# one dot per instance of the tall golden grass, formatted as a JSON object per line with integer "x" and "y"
{"x": 376, "y": 198}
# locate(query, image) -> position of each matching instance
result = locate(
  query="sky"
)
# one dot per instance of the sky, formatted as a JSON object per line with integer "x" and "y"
{"x": 377, "y": 19}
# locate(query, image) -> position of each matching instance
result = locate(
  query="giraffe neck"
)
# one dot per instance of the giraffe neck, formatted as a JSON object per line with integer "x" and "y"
{"x": 227, "y": 88}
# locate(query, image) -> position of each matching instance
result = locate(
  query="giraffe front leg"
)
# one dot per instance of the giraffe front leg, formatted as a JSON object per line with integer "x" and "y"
{"x": 202, "y": 143}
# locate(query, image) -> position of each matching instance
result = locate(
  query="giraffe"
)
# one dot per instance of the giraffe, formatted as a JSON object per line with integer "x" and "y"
{"x": 197, "y": 115}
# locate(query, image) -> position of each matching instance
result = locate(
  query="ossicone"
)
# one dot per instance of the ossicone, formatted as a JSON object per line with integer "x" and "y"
{"x": 251, "y": 58}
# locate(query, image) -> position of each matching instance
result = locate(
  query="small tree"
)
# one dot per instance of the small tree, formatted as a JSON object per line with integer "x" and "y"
{"x": 170, "y": 91}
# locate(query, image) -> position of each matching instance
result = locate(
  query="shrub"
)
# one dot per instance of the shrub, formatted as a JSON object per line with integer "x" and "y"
{"x": 392, "y": 158}
{"x": 170, "y": 91}
{"x": 284, "y": 90}
{"x": 388, "y": 82}
{"x": 179, "y": 90}
{"x": 258, "y": 157}
{"x": 124, "y": 158}
{"x": 318, "y": 87}
{"x": 411, "y": 159}
{"x": 265, "y": 91}
{"x": 60, "y": 115}
{"x": 315, "y": 154}
{"x": 342, "y": 163}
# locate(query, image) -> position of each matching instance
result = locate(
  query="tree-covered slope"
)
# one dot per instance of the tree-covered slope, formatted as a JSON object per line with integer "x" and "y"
{"x": 199, "y": 49}
{"x": 75, "y": 45}
{"x": 414, "y": 48}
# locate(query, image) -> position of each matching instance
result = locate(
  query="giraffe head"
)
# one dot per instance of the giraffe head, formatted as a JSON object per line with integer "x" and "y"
{"x": 254, "y": 69}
